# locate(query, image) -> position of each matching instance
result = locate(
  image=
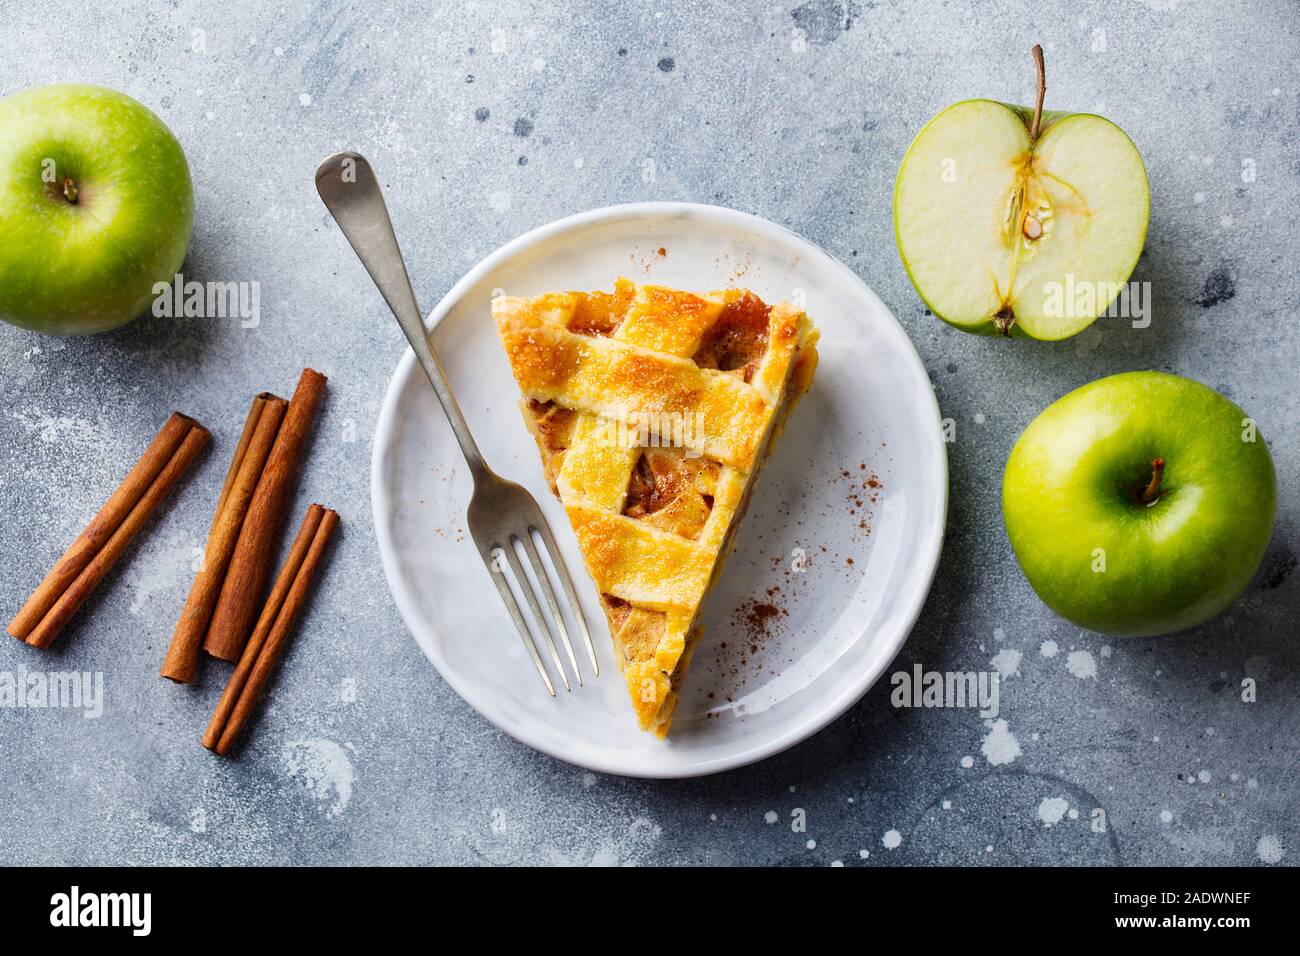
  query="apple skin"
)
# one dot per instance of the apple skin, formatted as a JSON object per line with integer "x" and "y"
{"x": 78, "y": 268}
{"x": 1073, "y": 483}
{"x": 1049, "y": 119}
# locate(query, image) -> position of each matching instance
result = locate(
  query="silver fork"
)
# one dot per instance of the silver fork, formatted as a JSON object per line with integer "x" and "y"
{"x": 500, "y": 513}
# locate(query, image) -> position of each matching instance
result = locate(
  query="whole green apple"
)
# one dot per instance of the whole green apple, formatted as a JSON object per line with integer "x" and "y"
{"x": 96, "y": 206}
{"x": 1140, "y": 504}
{"x": 1027, "y": 223}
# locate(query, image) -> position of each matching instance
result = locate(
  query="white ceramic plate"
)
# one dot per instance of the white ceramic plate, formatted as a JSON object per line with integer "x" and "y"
{"x": 853, "y": 563}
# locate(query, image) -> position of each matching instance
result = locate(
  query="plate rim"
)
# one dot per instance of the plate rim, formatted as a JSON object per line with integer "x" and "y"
{"x": 382, "y": 503}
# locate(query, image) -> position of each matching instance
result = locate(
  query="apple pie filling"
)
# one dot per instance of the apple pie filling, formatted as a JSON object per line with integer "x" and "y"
{"x": 672, "y": 491}
{"x": 737, "y": 341}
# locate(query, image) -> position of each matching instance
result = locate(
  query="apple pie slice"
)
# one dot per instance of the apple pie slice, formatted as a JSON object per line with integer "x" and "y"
{"x": 654, "y": 411}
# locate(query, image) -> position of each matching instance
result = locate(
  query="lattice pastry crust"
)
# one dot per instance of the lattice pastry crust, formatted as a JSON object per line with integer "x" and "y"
{"x": 654, "y": 410}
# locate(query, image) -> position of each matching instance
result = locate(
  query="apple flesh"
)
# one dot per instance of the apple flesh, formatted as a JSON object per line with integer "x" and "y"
{"x": 1140, "y": 504}
{"x": 992, "y": 221}
{"x": 96, "y": 205}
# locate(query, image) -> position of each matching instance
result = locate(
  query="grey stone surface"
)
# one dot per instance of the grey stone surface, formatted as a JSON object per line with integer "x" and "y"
{"x": 488, "y": 119}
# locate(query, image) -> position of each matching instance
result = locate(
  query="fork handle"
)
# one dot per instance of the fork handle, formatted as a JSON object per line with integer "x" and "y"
{"x": 348, "y": 187}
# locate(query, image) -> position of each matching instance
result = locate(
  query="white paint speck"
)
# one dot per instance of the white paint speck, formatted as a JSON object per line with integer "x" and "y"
{"x": 1007, "y": 661}
{"x": 1081, "y": 664}
{"x": 770, "y": 817}
{"x": 1000, "y": 746}
{"x": 54, "y": 429}
{"x": 304, "y": 99}
{"x": 947, "y": 804}
{"x": 892, "y": 840}
{"x": 811, "y": 844}
{"x": 588, "y": 781}
{"x": 643, "y": 829}
{"x": 837, "y": 862}
{"x": 1048, "y": 649}
{"x": 324, "y": 767}
{"x": 979, "y": 418}
{"x": 864, "y": 854}
{"x": 1052, "y": 810}
{"x": 1166, "y": 816}
{"x": 967, "y": 762}
{"x": 1270, "y": 849}
{"x": 1203, "y": 776}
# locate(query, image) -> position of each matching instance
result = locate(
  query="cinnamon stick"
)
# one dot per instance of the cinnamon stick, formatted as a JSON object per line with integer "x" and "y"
{"x": 75, "y": 576}
{"x": 250, "y": 564}
{"x": 287, "y": 597}
{"x": 260, "y": 430}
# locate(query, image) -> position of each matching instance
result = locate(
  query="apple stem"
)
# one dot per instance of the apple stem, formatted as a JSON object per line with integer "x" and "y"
{"x": 1041, "y": 70}
{"x": 70, "y": 190}
{"x": 1152, "y": 490}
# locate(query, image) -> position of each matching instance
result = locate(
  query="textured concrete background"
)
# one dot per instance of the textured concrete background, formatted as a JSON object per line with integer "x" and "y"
{"x": 488, "y": 119}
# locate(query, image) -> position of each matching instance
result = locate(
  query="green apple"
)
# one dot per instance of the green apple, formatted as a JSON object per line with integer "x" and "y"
{"x": 1000, "y": 209}
{"x": 96, "y": 206}
{"x": 1140, "y": 504}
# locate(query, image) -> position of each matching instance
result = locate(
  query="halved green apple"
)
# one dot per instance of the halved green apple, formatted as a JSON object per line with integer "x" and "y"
{"x": 1004, "y": 214}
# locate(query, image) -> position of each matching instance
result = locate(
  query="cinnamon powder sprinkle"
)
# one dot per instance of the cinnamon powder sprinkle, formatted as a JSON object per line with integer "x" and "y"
{"x": 758, "y": 619}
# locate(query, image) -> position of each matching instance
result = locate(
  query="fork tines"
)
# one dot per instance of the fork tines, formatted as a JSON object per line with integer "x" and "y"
{"x": 505, "y": 554}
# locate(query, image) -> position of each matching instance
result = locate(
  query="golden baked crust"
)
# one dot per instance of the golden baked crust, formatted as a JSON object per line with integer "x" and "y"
{"x": 654, "y": 410}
